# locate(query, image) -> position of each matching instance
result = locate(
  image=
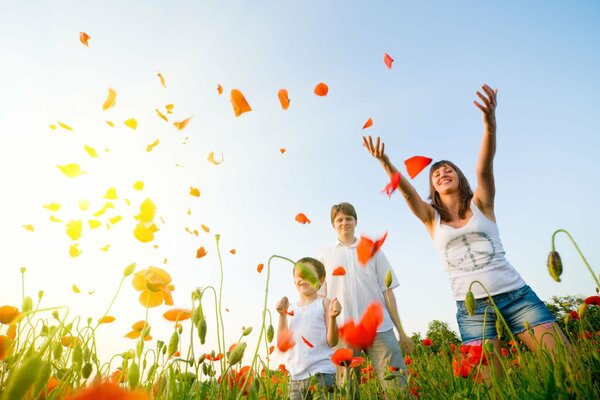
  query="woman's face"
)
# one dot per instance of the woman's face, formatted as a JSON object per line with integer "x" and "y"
{"x": 445, "y": 179}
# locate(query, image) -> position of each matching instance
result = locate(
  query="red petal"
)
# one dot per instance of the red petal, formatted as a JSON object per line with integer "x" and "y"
{"x": 290, "y": 313}
{"x": 303, "y": 219}
{"x": 388, "y": 60}
{"x": 416, "y": 164}
{"x": 342, "y": 357}
{"x": 393, "y": 185}
{"x": 339, "y": 271}
{"x": 283, "y": 98}
{"x": 285, "y": 340}
{"x": 366, "y": 248}
{"x": 368, "y": 124}
{"x": 309, "y": 344}
{"x": 321, "y": 89}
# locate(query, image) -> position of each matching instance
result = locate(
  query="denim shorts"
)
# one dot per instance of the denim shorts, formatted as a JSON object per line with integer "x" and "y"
{"x": 324, "y": 384}
{"x": 517, "y": 308}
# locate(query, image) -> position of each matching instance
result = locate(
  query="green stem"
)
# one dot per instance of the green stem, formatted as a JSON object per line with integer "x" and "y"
{"x": 219, "y": 307}
{"x": 578, "y": 250}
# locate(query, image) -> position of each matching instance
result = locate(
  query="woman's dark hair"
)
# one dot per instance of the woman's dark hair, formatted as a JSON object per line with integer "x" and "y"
{"x": 464, "y": 189}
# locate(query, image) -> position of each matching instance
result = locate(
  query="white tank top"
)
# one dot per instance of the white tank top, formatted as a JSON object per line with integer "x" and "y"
{"x": 475, "y": 252}
{"x": 302, "y": 360}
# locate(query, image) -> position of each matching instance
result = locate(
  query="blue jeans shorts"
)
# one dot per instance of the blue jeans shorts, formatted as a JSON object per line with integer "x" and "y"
{"x": 517, "y": 307}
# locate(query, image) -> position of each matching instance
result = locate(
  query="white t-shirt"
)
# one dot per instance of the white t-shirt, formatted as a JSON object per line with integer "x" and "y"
{"x": 360, "y": 286}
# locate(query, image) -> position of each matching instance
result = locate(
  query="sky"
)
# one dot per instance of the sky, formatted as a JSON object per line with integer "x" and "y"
{"x": 543, "y": 56}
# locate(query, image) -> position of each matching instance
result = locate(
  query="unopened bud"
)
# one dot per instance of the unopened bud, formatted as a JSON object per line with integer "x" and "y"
{"x": 129, "y": 269}
{"x": 247, "y": 331}
{"x": 499, "y": 328}
{"x": 470, "y": 303}
{"x": 388, "y": 278}
{"x": 237, "y": 354}
{"x": 270, "y": 333}
{"x": 555, "y": 267}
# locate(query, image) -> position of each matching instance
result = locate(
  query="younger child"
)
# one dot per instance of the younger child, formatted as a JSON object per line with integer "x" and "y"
{"x": 312, "y": 324}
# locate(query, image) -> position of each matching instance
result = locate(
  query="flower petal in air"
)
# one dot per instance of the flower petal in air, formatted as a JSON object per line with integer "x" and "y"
{"x": 74, "y": 229}
{"x": 131, "y": 123}
{"x": 177, "y": 314}
{"x": 71, "y": 170}
{"x": 139, "y": 185}
{"x": 211, "y": 158}
{"x": 201, "y": 252}
{"x": 111, "y": 99}
{"x": 74, "y": 250}
{"x": 367, "y": 248}
{"x": 321, "y": 89}
{"x": 388, "y": 60}
{"x": 29, "y": 227}
{"x": 416, "y": 164}
{"x": 309, "y": 344}
{"x": 393, "y": 185}
{"x": 75, "y": 289}
{"x": 54, "y": 207}
{"x": 162, "y": 79}
{"x": 220, "y": 89}
{"x": 194, "y": 191}
{"x": 83, "y": 38}
{"x": 91, "y": 151}
{"x": 339, "y": 271}
{"x": 239, "y": 103}
{"x": 362, "y": 335}
{"x": 169, "y": 108}
{"x": 260, "y": 267}
{"x": 161, "y": 115}
{"x": 283, "y": 98}
{"x": 368, "y": 124}
{"x": 301, "y": 218}
{"x": 64, "y": 126}
{"x": 106, "y": 320}
{"x": 285, "y": 340}
{"x": 282, "y": 150}
{"x": 152, "y": 145}
{"x": 182, "y": 124}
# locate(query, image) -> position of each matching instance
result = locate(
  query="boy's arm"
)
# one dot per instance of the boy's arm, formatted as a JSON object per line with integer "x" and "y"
{"x": 282, "y": 306}
{"x": 332, "y": 310}
{"x": 406, "y": 343}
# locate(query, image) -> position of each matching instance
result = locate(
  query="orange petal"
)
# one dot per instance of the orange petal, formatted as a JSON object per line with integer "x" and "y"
{"x": 285, "y": 340}
{"x": 232, "y": 251}
{"x": 205, "y": 228}
{"x": 283, "y": 98}
{"x": 194, "y": 192}
{"x": 182, "y": 124}
{"x": 163, "y": 116}
{"x": 368, "y": 124}
{"x": 152, "y": 145}
{"x": 211, "y": 158}
{"x": 169, "y": 108}
{"x": 416, "y": 164}
{"x": 321, "y": 89}
{"x": 106, "y": 320}
{"x": 309, "y": 344}
{"x": 111, "y": 99}
{"x": 339, "y": 271}
{"x": 177, "y": 314}
{"x": 301, "y": 218}
{"x": 259, "y": 268}
{"x": 83, "y": 38}
{"x": 201, "y": 252}
{"x": 388, "y": 60}
{"x": 239, "y": 103}
{"x": 282, "y": 150}
{"x": 220, "y": 89}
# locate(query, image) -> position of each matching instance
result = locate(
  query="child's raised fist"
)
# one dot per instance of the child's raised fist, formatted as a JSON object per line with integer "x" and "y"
{"x": 335, "y": 308}
{"x": 282, "y": 305}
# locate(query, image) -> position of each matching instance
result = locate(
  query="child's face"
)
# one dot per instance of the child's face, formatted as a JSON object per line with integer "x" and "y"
{"x": 302, "y": 285}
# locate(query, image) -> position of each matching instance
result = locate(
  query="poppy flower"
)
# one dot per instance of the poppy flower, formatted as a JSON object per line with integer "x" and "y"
{"x": 212, "y": 357}
{"x": 368, "y": 124}
{"x": 477, "y": 356}
{"x": 8, "y": 314}
{"x": 309, "y": 344}
{"x": 5, "y": 346}
{"x": 301, "y": 218}
{"x": 83, "y": 38}
{"x": 387, "y": 60}
{"x": 427, "y": 342}
{"x": 504, "y": 352}
{"x": 592, "y": 300}
{"x": 321, "y": 89}
{"x": 462, "y": 367}
{"x": 283, "y": 98}
{"x": 362, "y": 335}
{"x": 393, "y": 369}
{"x": 367, "y": 248}
{"x": 260, "y": 267}
{"x": 239, "y": 103}
{"x": 285, "y": 340}
{"x": 137, "y": 329}
{"x": 407, "y": 360}
{"x": 416, "y": 164}
{"x": 344, "y": 358}
{"x": 110, "y": 390}
{"x": 393, "y": 185}
{"x": 339, "y": 271}
{"x": 574, "y": 315}
{"x": 154, "y": 283}
{"x": 177, "y": 314}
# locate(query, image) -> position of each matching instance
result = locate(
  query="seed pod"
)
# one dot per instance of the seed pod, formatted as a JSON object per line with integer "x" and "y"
{"x": 173, "y": 343}
{"x": 470, "y": 303}
{"x": 499, "y": 327}
{"x": 77, "y": 358}
{"x": 237, "y": 354}
{"x": 27, "y": 304}
{"x": 202, "y": 328}
{"x": 23, "y": 378}
{"x": 389, "y": 376}
{"x": 388, "y": 278}
{"x": 555, "y": 267}
{"x": 55, "y": 315}
{"x": 57, "y": 351}
{"x": 86, "y": 371}
{"x": 247, "y": 331}
{"x": 270, "y": 333}
{"x": 129, "y": 354}
{"x": 86, "y": 354}
{"x": 133, "y": 376}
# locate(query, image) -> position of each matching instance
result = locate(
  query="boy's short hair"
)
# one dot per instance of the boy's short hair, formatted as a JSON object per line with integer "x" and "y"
{"x": 319, "y": 267}
{"x": 344, "y": 207}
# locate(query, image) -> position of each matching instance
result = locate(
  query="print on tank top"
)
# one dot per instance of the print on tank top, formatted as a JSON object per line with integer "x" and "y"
{"x": 479, "y": 251}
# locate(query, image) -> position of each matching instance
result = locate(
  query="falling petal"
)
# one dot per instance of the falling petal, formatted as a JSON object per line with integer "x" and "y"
{"x": 260, "y": 267}
{"x": 290, "y": 313}
{"x": 283, "y": 98}
{"x": 169, "y": 108}
{"x": 144, "y": 234}
{"x": 91, "y": 151}
{"x": 83, "y": 205}
{"x": 194, "y": 192}
{"x": 162, "y": 79}
{"x": 131, "y": 122}
{"x": 110, "y": 123}
{"x": 75, "y": 289}
{"x": 115, "y": 220}
{"x": 205, "y": 228}
{"x": 201, "y": 252}
{"x": 111, "y": 194}
{"x": 83, "y": 38}
{"x": 388, "y": 60}
{"x": 393, "y": 185}
{"x": 189, "y": 212}
{"x": 239, "y": 103}
{"x": 53, "y": 127}
{"x": 74, "y": 229}
{"x": 368, "y": 124}
{"x": 93, "y": 223}
{"x": 339, "y": 271}
{"x": 285, "y": 340}
{"x": 152, "y": 145}
{"x": 55, "y": 219}
{"x": 367, "y": 248}
{"x": 211, "y": 158}
{"x": 220, "y": 89}
{"x": 106, "y": 320}
{"x": 163, "y": 116}
{"x": 91, "y": 292}
{"x": 53, "y": 207}
{"x": 71, "y": 170}
{"x": 309, "y": 344}
{"x": 182, "y": 124}
{"x": 64, "y": 126}
{"x": 139, "y": 185}
{"x": 321, "y": 89}
{"x": 301, "y": 218}
{"x": 74, "y": 250}
{"x": 232, "y": 251}
{"x": 282, "y": 150}
{"x": 416, "y": 164}
{"x": 111, "y": 99}
{"x": 185, "y": 140}
{"x": 195, "y": 232}
{"x": 127, "y": 201}
{"x": 105, "y": 248}
{"x": 29, "y": 227}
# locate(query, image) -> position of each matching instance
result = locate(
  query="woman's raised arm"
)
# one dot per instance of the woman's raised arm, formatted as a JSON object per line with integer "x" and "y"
{"x": 485, "y": 191}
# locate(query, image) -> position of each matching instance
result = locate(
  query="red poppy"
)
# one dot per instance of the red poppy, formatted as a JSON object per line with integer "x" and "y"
{"x": 427, "y": 342}
{"x": 574, "y": 315}
{"x": 367, "y": 248}
{"x": 368, "y": 124}
{"x": 239, "y": 103}
{"x": 452, "y": 347}
{"x": 285, "y": 340}
{"x": 339, "y": 271}
{"x": 586, "y": 335}
{"x": 388, "y": 60}
{"x": 462, "y": 367}
{"x": 362, "y": 335}
{"x": 407, "y": 360}
{"x": 177, "y": 314}
{"x": 393, "y": 369}
{"x": 343, "y": 358}
{"x": 109, "y": 390}
{"x": 393, "y": 185}
{"x": 592, "y": 300}
{"x": 476, "y": 355}
{"x": 301, "y": 218}
{"x": 504, "y": 352}
{"x": 309, "y": 344}
{"x": 416, "y": 164}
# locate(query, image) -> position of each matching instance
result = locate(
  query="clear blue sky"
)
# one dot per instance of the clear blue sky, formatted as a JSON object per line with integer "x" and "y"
{"x": 543, "y": 56}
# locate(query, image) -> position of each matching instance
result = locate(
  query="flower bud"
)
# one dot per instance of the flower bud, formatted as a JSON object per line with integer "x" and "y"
{"x": 202, "y": 358}
{"x": 555, "y": 267}
{"x": 133, "y": 376}
{"x": 129, "y": 269}
{"x": 202, "y": 328}
{"x": 173, "y": 344}
{"x": 40, "y": 294}
{"x": 527, "y": 325}
{"x": 237, "y": 354}
{"x": 270, "y": 333}
{"x": 247, "y": 331}
{"x": 470, "y": 303}
{"x": 87, "y": 370}
{"x": 27, "y": 304}
{"x": 499, "y": 328}
{"x": 388, "y": 278}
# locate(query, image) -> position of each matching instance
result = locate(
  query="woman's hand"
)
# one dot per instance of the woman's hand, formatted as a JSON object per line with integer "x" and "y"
{"x": 488, "y": 108}
{"x": 376, "y": 149}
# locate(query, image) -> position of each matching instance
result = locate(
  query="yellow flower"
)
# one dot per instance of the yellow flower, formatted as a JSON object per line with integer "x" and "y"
{"x": 8, "y": 314}
{"x": 154, "y": 283}
{"x": 137, "y": 329}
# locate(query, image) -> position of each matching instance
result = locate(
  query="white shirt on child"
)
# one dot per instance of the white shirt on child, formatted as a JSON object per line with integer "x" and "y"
{"x": 308, "y": 321}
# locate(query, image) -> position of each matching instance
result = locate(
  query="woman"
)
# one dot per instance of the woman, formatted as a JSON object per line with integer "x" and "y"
{"x": 463, "y": 228}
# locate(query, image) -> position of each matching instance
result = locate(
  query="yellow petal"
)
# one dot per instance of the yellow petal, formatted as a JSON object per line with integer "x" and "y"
{"x": 111, "y": 194}
{"x": 74, "y": 229}
{"x": 147, "y": 211}
{"x": 211, "y": 158}
{"x": 55, "y": 219}
{"x": 153, "y": 145}
{"x": 111, "y": 99}
{"x": 91, "y": 151}
{"x": 94, "y": 223}
{"x": 139, "y": 185}
{"x": 105, "y": 248}
{"x": 53, "y": 207}
{"x": 29, "y": 227}
{"x": 127, "y": 201}
{"x": 162, "y": 79}
{"x": 74, "y": 251}
{"x": 143, "y": 234}
{"x": 53, "y": 127}
{"x": 131, "y": 122}
{"x": 110, "y": 123}
{"x": 194, "y": 191}
{"x": 106, "y": 320}
{"x": 91, "y": 291}
{"x": 75, "y": 288}
{"x": 83, "y": 205}
{"x": 189, "y": 212}
{"x": 163, "y": 116}
{"x": 71, "y": 170}
{"x": 169, "y": 108}
{"x": 205, "y": 228}
{"x": 182, "y": 124}
{"x": 108, "y": 205}
{"x": 116, "y": 219}
{"x": 100, "y": 212}
{"x": 64, "y": 126}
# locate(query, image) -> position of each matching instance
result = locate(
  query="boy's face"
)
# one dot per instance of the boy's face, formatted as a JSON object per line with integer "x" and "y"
{"x": 302, "y": 285}
{"x": 344, "y": 224}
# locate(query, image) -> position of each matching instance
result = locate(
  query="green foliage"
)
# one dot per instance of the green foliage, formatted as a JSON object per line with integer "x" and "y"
{"x": 441, "y": 335}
